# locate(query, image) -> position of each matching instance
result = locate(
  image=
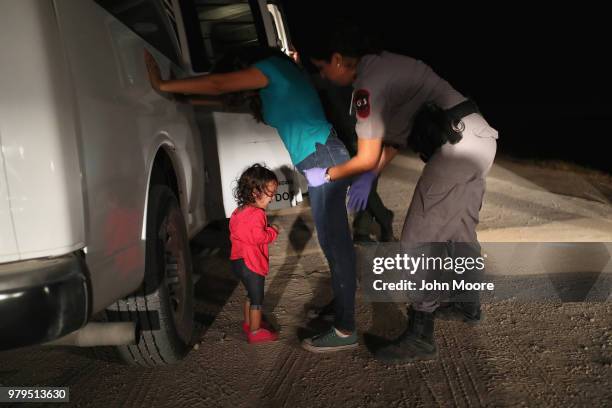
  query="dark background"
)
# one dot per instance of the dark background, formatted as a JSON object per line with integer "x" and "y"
{"x": 540, "y": 76}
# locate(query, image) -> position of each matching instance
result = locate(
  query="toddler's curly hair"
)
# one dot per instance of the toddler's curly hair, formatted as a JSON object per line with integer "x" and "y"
{"x": 253, "y": 180}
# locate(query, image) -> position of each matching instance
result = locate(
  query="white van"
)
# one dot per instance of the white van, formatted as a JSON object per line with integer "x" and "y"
{"x": 103, "y": 181}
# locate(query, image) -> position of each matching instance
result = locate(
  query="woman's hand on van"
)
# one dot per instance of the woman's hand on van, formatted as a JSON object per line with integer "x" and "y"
{"x": 153, "y": 69}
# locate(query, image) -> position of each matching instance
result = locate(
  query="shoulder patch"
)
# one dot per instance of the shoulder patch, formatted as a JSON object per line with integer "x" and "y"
{"x": 361, "y": 103}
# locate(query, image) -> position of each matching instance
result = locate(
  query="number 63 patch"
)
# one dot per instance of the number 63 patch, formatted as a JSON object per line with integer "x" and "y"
{"x": 361, "y": 103}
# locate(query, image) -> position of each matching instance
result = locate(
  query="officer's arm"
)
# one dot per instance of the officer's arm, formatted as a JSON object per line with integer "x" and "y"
{"x": 367, "y": 158}
{"x": 388, "y": 153}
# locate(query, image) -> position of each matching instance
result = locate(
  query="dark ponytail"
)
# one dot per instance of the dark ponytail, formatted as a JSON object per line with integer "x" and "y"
{"x": 238, "y": 59}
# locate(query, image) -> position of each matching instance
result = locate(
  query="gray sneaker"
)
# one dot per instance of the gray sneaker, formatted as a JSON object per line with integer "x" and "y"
{"x": 329, "y": 341}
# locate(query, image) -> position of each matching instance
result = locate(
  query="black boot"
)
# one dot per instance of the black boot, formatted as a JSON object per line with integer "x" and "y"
{"x": 467, "y": 312}
{"x": 416, "y": 343}
{"x": 386, "y": 229}
{"x": 363, "y": 239}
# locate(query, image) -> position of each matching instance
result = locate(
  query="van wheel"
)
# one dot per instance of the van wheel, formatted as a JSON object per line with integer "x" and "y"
{"x": 163, "y": 307}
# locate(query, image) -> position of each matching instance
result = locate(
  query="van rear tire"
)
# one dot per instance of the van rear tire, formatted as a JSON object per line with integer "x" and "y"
{"x": 163, "y": 307}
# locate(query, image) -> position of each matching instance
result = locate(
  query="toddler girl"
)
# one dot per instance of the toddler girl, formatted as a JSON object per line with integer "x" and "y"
{"x": 250, "y": 235}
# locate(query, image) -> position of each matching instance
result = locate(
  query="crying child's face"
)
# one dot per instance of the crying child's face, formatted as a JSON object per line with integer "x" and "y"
{"x": 263, "y": 199}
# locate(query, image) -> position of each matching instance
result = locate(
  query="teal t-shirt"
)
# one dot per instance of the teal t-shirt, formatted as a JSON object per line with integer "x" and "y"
{"x": 291, "y": 105}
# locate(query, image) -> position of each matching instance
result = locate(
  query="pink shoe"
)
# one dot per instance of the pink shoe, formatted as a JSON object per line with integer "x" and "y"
{"x": 262, "y": 336}
{"x": 246, "y": 329}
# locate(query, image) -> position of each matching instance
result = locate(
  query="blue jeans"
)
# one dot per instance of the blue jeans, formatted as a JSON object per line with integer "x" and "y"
{"x": 328, "y": 204}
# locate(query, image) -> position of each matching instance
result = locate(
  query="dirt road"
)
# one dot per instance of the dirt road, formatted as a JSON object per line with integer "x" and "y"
{"x": 523, "y": 354}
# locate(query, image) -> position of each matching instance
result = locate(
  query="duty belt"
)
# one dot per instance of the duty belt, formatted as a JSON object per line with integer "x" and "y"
{"x": 460, "y": 111}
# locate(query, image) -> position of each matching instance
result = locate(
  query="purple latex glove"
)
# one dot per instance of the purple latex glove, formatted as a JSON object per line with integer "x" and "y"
{"x": 315, "y": 176}
{"x": 360, "y": 190}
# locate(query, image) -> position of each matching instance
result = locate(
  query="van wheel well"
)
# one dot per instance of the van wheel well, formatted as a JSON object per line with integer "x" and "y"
{"x": 163, "y": 173}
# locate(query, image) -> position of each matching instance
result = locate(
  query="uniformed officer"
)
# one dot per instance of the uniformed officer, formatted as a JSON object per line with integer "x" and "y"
{"x": 389, "y": 91}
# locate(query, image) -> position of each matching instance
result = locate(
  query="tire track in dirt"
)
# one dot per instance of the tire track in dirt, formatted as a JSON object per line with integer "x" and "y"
{"x": 135, "y": 384}
{"x": 73, "y": 376}
{"x": 11, "y": 374}
{"x": 77, "y": 370}
{"x": 502, "y": 360}
{"x": 424, "y": 373}
{"x": 97, "y": 388}
{"x": 447, "y": 365}
{"x": 276, "y": 382}
{"x": 546, "y": 375}
{"x": 278, "y": 385}
{"x": 143, "y": 389}
{"x": 464, "y": 369}
{"x": 509, "y": 365}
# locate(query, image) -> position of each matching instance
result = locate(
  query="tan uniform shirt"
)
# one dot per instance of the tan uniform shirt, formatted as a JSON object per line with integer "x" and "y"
{"x": 388, "y": 92}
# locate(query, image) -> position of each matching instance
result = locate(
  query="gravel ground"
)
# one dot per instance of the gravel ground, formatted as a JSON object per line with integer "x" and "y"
{"x": 546, "y": 353}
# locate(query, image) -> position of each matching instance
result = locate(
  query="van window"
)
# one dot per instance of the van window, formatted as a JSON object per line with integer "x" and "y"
{"x": 152, "y": 20}
{"x": 215, "y": 26}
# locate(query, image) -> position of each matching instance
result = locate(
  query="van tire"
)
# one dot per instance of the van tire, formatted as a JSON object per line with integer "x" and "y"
{"x": 163, "y": 307}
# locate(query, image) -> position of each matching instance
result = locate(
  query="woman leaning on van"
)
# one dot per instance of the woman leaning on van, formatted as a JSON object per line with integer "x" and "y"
{"x": 280, "y": 95}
